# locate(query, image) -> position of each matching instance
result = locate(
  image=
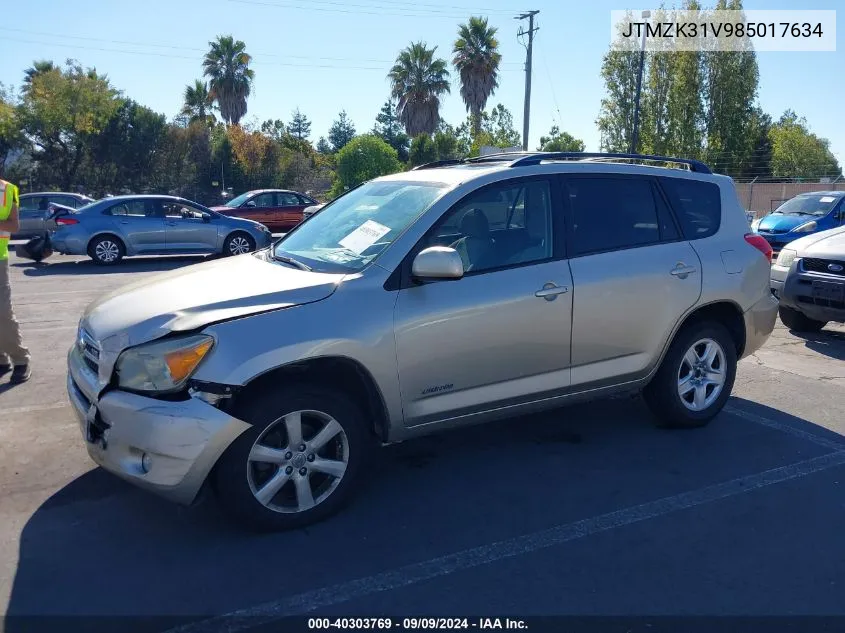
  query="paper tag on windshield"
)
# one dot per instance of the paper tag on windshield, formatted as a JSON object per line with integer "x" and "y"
{"x": 364, "y": 236}
{"x": 827, "y": 199}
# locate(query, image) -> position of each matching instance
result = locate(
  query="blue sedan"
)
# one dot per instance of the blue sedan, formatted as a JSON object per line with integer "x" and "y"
{"x": 802, "y": 215}
{"x": 113, "y": 228}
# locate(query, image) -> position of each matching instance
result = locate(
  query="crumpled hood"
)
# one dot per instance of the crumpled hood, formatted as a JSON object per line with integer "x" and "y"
{"x": 198, "y": 295}
{"x": 779, "y": 222}
{"x": 828, "y": 244}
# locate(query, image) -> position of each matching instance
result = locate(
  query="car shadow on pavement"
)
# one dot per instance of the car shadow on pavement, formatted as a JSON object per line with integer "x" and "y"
{"x": 101, "y": 547}
{"x": 828, "y": 342}
{"x": 88, "y": 267}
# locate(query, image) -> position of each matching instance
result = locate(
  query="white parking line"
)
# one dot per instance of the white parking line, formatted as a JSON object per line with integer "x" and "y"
{"x": 35, "y": 407}
{"x": 309, "y": 601}
{"x": 785, "y": 428}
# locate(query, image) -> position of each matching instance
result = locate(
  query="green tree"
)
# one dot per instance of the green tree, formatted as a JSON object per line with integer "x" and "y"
{"x": 230, "y": 78}
{"x": 38, "y": 67}
{"x": 341, "y": 132}
{"x": 422, "y": 151}
{"x": 798, "y": 153}
{"x": 418, "y": 82}
{"x": 477, "y": 58}
{"x": 299, "y": 126}
{"x": 500, "y": 127}
{"x": 61, "y": 112}
{"x": 363, "y": 158}
{"x": 654, "y": 109}
{"x": 323, "y": 146}
{"x": 274, "y": 128}
{"x": 616, "y": 117}
{"x": 759, "y": 164}
{"x": 558, "y": 141}
{"x": 389, "y": 129}
{"x": 731, "y": 80}
{"x": 198, "y": 104}
{"x": 11, "y": 137}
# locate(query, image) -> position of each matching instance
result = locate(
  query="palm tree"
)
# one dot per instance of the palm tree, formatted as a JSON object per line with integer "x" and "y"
{"x": 39, "y": 67}
{"x": 230, "y": 78}
{"x": 418, "y": 80}
{"x": 477, "y": 60}
{"x": 198, "y": 102}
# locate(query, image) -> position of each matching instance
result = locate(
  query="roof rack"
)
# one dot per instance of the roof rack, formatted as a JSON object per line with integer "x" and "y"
{"x": 439, "y": 163}
{"x": 536, "y": 158}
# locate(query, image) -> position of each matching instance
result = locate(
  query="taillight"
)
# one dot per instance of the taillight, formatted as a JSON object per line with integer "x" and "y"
{"x": 66, "y": 221}
{"x": 759, "y": 242}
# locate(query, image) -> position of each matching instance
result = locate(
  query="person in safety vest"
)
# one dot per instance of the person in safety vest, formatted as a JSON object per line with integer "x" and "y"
{"x": 14, "y": 357}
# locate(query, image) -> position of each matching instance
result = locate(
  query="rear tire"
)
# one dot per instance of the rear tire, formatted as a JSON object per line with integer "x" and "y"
{"x": 696, "y": 377}
{"x": 106, "y": 250}
{"x": 269, "y": 479}
{"x": 238, "y": 243}
{"x": 799, "y": 322}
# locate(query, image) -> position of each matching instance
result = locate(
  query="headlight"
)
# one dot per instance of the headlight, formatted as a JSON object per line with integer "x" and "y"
{"x": 786, "y": 257}
{"x": 806, "y": 227}
{"x": 162, "y": 366}
{"x": 755, "y": 225}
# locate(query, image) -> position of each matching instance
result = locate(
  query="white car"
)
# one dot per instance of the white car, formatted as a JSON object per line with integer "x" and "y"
{"x": 307, "y": 212}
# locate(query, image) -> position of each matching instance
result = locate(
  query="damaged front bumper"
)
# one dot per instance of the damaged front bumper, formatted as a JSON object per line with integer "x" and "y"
{"x": 167, "y": 447}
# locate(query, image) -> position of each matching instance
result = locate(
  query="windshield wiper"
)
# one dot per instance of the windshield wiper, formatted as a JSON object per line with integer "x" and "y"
{"x": 292, "y": 262}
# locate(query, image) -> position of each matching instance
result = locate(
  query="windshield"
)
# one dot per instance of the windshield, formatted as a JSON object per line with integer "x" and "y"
{"x": 808, "y": 205}
{"x": 350, "y": 232}
{"x": 236, "y": 202}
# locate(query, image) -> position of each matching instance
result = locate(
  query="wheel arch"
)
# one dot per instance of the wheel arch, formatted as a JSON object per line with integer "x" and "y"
{"x": 725, "y": 312}
{"x": 106, "y": 233}
{"x": 341, "y": 372}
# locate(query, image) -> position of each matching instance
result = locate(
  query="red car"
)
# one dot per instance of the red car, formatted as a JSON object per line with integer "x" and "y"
{"x": 278, "y": 209}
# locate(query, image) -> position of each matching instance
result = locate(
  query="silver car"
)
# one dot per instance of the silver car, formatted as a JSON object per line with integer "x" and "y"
{"x": 422, "y": 301}
{"x": 809, "y": 279}
{"x": 122, "y": 226}
{"x": 37, "y": 209}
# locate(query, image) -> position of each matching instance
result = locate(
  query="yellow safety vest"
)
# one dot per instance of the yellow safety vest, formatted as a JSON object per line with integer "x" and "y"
{"x": 9, "y": 197}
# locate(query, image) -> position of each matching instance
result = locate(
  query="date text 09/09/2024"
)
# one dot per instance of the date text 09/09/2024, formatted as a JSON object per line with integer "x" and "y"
{"x": 415, "y": 624}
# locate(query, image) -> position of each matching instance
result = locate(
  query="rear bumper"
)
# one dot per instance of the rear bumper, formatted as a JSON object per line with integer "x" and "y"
{"x": 68, "y": 244}
{"x": 759, "y": 323}
{"x": 182, "y": 440}
{"x": 793, "y": 287}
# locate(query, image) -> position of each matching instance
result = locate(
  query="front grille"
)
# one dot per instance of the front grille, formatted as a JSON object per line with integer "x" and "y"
{"x": 812, "y": 264}
{"x": 776, "y": 231}
{"x": 836, "y": 305}
{"x": 90, "y": 351}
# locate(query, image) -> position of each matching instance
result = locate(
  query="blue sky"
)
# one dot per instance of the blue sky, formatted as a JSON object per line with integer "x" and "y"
{"x": 325, "y": 55}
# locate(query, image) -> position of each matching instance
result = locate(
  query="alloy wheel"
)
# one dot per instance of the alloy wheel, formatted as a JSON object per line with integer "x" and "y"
{"x": 239, "y": 245}
{"x": 298, "y": 461}
{"x": 106, "y": 251}
{"x": 702, "y": 374}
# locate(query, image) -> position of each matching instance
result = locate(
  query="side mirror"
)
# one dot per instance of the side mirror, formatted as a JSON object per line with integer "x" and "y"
{"x": 206, "y": 218}
{"x": 437, "y": 262}
{"x": 250, "y": 204}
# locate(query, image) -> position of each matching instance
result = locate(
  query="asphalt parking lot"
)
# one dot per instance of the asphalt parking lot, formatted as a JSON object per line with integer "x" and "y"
{"x": 586, "y": 510}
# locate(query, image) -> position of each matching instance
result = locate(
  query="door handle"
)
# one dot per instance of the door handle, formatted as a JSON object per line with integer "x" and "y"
{"x": 550, "y": 291}
{"x": 171, "y": 223}
{"x": 682, "y": 271}
{"x": 124, "y": 221}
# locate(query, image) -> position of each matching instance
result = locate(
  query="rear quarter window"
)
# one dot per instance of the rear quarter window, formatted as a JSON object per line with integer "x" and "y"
{"x": 697, "y": 204}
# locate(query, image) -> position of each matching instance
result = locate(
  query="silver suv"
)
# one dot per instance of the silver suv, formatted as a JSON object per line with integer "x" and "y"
{"x": 448, "y": 295}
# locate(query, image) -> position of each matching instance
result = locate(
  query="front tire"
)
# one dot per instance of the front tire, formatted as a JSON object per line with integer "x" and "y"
{"x": 799, "y": 322}
{"x": 695, "y": 379}
{"x": 300, "y": 461}
{"x": 106, "y": 250}
{"x": 238, "y": 244}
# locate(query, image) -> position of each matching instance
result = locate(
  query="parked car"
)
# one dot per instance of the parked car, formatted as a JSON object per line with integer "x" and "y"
{"x": 809, "y": 280}
{"x": 309, "y": 211}
{"x": 38, "y": 209}
{"x": 278, "y": 209}
{"x": 122, "y": 226}
{"x": 396, "y": 312}
{"x": 804, "y": 214}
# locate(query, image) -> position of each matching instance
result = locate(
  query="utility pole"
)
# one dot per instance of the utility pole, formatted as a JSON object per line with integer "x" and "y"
{"x": 529, "y": 49}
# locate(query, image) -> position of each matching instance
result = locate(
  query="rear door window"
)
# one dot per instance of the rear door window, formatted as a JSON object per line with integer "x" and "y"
{"x": 697, "y": 204}
{"x": 135, "y": 208}
{"x": 609, "y": 213}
